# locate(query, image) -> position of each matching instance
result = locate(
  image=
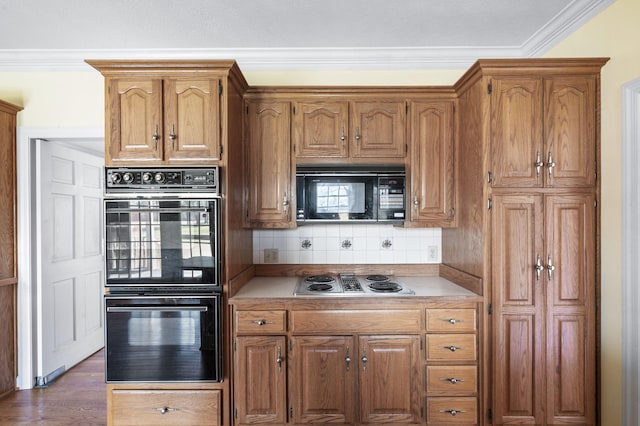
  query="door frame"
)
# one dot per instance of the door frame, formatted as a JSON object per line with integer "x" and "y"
{"x": 630, "y": 252}
{"x": 26, "y": 159}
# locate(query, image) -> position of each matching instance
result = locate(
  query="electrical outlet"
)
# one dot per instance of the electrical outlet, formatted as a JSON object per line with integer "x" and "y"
{"x": 432, "y": 253}
{"x": 271, "y": 255}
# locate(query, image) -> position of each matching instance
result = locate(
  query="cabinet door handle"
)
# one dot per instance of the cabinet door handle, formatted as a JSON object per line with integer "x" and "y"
{"x": 261, "y": 322}
{"x": 453, "y": 348}
{"x": 357, "y": 134}
{"x": 173, "y": 136}
{"x": 550, "y": 267}
{"x": 347, "y": 359}
{"x": 550, "y": 164}
{"x": 364, "y": 360}
{"x": 342, "y": 138}
{"x": 156, "y": 136}
{"x": 538, "y": 163}
{"x": 452, "y": 411}
{"x": 165, "y": 410}
{"x": 538, "y": 267}
{"x": 453, "y": 321}
{"x": 416, "y": 201}
{"x": 451, "y": 380}
{"x": 285, "y": 203}
{"x": 279, "y": 359}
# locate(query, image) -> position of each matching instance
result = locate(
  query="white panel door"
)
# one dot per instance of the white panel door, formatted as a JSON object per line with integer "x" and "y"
{"x": 70, "y": 253}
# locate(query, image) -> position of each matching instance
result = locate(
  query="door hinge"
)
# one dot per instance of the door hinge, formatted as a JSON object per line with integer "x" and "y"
{"x": 294, "y": 148}
{"x": 489, "y": 203}
{"x": 490, "y": 308}
{"x": 489, "y": 414}
{"x": 489, "y": 88}
{"x": 406, "y": 148}
{"x": 421, "y": 344}
{"x": 290, "y": 345}
{"x": 290, "y": 413}
{"x": 293, "y": 108}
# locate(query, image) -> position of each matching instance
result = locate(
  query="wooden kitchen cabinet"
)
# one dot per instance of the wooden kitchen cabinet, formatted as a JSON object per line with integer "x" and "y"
{"x": 151, "y": 405}
{"x": 168, "y": 112}
{"x": 260, "y": 381}
{"x": 431, "y": 171}
{"x": 269, "y": 190}
{"x": 544, "y": 278}
{"x": 8, "y": 248}
{"x": 543, "y": 131}
{"x": 163, "y": 121}
{"x": 371, "y": 129}
{"x": 513, "y": 115}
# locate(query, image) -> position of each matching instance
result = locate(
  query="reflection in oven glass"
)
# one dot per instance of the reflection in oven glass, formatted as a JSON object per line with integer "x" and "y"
{"x": 156, "y": 241}
{"x": 157, "y": 331}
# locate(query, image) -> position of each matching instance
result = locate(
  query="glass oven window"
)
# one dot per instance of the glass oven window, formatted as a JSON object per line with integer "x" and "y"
{"x": 151, "y": 339}
{"x": 161, "y": 241}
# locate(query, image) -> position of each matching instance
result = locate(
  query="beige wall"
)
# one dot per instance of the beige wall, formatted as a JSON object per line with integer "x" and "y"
{"x": 76, "y": 100}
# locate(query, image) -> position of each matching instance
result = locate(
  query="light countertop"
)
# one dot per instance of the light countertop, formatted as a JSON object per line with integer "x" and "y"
{"x": 282, "y": 287}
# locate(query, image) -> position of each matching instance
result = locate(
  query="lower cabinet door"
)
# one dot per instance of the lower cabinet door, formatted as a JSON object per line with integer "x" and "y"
{"x": 390, "y": 384}
{"x": 323, "y": 379}
{"x": 132, "y": 407}
{"x": 260, "y": 378}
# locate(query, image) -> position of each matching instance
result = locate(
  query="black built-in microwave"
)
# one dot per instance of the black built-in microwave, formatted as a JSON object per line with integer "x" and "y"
{"x": 353, "y": 193}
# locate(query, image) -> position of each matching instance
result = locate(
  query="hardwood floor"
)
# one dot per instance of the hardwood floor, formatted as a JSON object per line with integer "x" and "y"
{"x": 78, "y": 397}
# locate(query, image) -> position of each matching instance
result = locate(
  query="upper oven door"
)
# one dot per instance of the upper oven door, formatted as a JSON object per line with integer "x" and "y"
{"x": 167, "y": 242}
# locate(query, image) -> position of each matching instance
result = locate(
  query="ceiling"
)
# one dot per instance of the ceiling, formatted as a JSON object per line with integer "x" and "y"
{"x": 286, "y": 34}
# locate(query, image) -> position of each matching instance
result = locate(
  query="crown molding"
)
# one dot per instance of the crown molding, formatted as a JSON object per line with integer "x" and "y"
{"x": 319, "y": 59}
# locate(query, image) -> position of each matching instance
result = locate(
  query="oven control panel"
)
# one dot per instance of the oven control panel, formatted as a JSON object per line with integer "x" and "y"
{"x": 150, "y": 179}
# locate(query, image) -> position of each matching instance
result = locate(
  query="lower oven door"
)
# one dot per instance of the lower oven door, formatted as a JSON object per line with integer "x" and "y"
{"x": 163, "y": 339}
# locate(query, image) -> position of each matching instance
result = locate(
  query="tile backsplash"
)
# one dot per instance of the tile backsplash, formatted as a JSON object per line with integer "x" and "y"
{"x": 335, "y": 244}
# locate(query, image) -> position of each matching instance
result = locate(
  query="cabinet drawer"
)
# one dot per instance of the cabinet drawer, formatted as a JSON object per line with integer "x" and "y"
{"x": 356, "y": 321}
{"x": 451, "y": 347}
{"x": 452, "y": 379}
{"x": 451, "y": 320}
{"x": 165, "y": 407}
{"x": 452, "y": 411}
{"x": 262, "y": 322}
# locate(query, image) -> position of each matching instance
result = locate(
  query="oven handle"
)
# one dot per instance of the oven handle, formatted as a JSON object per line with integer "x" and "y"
{"x": 159, "y": 210}
{"x": 158, "y": 308}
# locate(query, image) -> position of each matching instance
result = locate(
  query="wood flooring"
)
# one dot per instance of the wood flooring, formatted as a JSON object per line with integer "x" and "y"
{"x": 78, "y": 397}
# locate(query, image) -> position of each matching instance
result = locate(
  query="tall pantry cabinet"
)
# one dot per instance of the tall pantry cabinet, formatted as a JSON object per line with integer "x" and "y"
{"x": 529, "y": 228}
{"x": 8, "y": 248}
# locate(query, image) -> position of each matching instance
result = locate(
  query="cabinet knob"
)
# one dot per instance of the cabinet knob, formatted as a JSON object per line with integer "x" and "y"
{"x": 452, "y": 412}
{"x": 453, "y": 348}
{"x": 538, "y": 267}
{"x": 165, "y": 410}
{"x": 156, "y": 136}
{"x": 173, "y": 136}
{"x": 550, "y": 164}
{"x": 550, "y": 267}
{"x": 539, "y": 163}
{"x": 451, "y": 380}
{"x": 415, "y": 200}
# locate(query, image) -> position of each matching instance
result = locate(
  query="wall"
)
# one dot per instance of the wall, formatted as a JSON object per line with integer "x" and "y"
{"x": 76, "y": 99}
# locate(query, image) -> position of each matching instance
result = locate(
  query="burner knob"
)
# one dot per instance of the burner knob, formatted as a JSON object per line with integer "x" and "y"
{"x": 127, "y": 177}
{"x": 116, "y": 177}
{"x": 159, "y": 177}
{"x": 147, "y": 177}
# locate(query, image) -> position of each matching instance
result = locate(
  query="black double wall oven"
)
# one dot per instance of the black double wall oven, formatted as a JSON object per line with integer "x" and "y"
{"x": 162, "y": 274}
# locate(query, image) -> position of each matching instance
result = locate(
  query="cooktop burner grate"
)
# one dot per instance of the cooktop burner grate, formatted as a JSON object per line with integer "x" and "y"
{"x": 320, "y": 287}
{"x": 320, "y": 279}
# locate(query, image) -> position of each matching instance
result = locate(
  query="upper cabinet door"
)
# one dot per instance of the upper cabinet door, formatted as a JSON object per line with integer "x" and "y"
{"x": 320, "y": 129}
{"x": 191, "y": 124}
{"x": 432, "y": 163}
{"x": 134, "y": 111}
{"x": 516, "y": 132}
{"x": 269, "y": 165}
{"x": 570, "y": 135}
{"x": 543, "y": 132}
{"x": 378, "y": 129}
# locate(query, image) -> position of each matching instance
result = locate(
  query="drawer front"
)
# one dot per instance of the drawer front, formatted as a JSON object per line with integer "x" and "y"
{"x": 451, "y": 320}
{"x": 356, "y": 321}
{"x": 260, "y": 322}
{"x": 165, "y": 407}
{"x": 451, "y": 347}
{"x": 452, "y": 379}
{"x": 460, "y": 411}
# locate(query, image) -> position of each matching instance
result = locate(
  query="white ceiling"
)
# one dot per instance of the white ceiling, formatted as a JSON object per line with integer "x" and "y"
{"x": 286, "y": 34}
